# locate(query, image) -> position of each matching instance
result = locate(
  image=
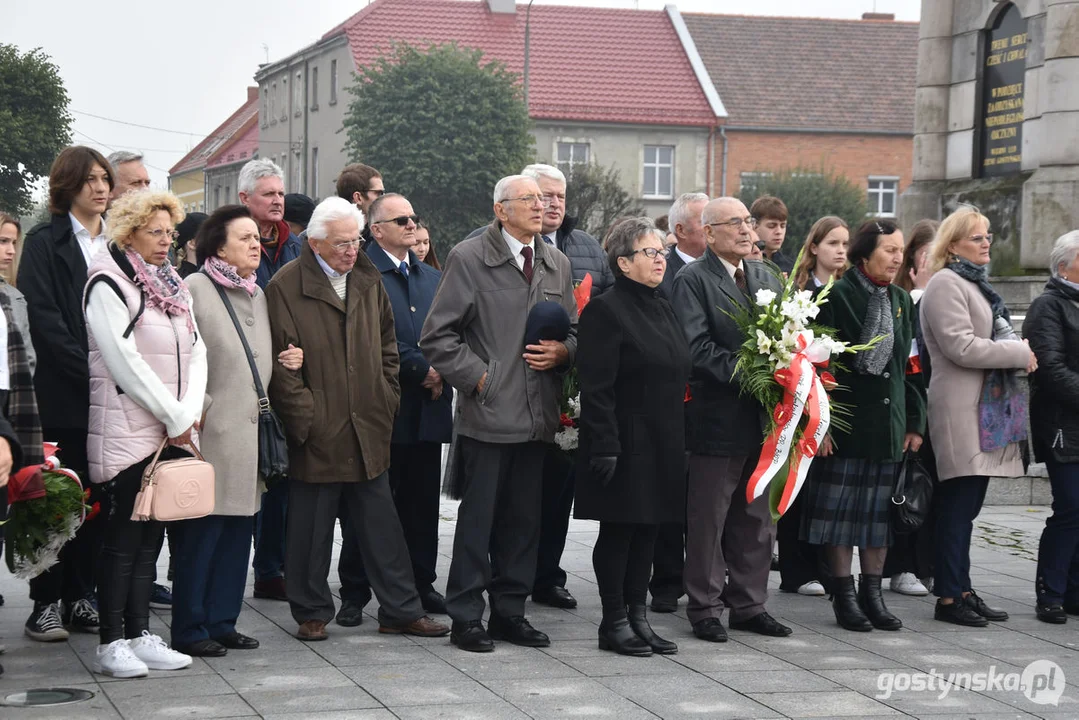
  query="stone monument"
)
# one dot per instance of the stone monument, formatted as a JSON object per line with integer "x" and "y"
{"x": 997, "y": 122}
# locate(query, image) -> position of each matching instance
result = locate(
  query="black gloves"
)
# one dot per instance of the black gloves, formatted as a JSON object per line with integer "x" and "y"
{"x": 603, "y": 467}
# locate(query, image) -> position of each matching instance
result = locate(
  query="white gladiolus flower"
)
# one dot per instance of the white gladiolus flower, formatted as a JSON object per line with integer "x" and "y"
{"x": 764, "y": 343}
{"x": 765, "y": 296}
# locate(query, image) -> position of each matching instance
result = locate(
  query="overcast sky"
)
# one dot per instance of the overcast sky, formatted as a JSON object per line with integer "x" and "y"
{"x": 184, "y": 67}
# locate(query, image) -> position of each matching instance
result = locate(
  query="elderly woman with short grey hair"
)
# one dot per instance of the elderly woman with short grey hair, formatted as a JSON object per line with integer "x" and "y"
{"x": 633, "y": 363}
{"x": 1052, "y": 328}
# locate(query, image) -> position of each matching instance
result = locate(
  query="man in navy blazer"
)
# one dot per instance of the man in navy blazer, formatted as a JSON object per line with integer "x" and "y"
{"x": 424, "y": 420}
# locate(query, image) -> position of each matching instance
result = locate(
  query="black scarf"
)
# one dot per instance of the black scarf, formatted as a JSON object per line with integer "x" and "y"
{"x": 21, "y": 410}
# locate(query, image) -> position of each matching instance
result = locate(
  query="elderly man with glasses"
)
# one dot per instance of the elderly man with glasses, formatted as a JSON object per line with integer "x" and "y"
{"x": 508, "y": 407}
{"x": 338, "y": 415}
{"x": 725, "y": 535}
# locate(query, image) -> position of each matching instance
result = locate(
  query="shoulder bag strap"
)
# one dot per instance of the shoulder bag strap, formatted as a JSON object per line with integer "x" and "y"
{"x": 264, "y": 403}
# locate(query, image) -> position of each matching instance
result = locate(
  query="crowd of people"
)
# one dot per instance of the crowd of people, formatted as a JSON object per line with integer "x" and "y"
{"x": 150, "y": 334}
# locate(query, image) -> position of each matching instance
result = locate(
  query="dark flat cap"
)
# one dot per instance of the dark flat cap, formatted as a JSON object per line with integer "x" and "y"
{"x": 189, "y": 227}
{"x": 546, "y": 321}
{"x": 298, "y": 209}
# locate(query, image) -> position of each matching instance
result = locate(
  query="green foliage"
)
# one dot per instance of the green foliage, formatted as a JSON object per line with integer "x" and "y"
{"x": 809, "y": 194}
{"x": 35, "y": 529}
{"x": 35, "y": 123}
{"x": 595, "y": 196}
{"x": 442, "y": 126}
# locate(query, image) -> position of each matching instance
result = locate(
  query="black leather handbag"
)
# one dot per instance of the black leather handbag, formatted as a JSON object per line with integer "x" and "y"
{"x": 912, "y": 493}
{"x": 273, "y": 448}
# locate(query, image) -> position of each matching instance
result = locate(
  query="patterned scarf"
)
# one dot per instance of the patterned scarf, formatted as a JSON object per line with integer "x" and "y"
{"x": 162, "y": 286}
{"x": 979, "y": 275}
{"x": 226, "y": 275}
{"x": 877, "y": 322}
{"x": 21, "y": 410}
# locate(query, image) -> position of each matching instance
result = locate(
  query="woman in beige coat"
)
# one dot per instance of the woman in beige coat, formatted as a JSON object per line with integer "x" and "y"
{"x": 211, "y": 552}
{"x": 969, "y": 336}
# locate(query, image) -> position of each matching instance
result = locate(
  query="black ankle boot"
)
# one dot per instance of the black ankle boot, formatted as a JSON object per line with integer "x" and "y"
{"x": 638, "y": 620}
{"x": 845, "y": 604}
{"x": 872, "y": 603}
{"x": 616, "y": 635}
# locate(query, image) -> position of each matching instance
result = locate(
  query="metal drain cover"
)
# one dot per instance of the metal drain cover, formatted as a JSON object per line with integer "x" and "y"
{"x": 44, "y": 697}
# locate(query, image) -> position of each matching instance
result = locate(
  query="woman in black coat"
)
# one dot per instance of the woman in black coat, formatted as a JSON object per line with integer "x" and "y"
{"x": 1052, "y": 328}
{"x": 633, "y": 363}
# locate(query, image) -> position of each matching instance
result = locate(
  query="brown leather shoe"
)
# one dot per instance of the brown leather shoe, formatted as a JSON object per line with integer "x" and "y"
{"x": 312, "y": 630}
{"x": 423, "y": 627}
{"x": 271, "y": 589}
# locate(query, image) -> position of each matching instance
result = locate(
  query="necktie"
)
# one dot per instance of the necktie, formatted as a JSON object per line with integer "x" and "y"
{"x": 526, "y": 253}
{"x": 740, "y": 281}
{"x": 404, "y": 268}
{"x": 547, "y": 239}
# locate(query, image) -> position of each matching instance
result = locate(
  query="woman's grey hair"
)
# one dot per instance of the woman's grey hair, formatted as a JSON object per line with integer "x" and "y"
{"x": 679, "y": 212}
{"x": 623, "y": 235}
{"x": 120, "y": 157}
{"x": 331, "y": 210}
{"x": 540, "y": 170}
{"x": 254, "y": 171}
{"x": 1063, "y": 253}
{"x": 502, "y": 187}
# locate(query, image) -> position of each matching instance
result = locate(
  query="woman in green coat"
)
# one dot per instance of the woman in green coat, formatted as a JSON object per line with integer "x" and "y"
{"x": 846, "y": 503}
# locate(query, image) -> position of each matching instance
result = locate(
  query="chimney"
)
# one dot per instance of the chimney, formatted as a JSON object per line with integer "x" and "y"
{"x": 506, "y": 7}
{"x": 881, "y": 17}
{"x": 252, "y": 93}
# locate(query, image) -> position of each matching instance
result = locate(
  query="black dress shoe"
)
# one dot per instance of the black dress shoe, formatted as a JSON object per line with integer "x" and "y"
{"x": 350, "y": 614}
{"x": 237, "y": 641}
{"x": 202, "y": 648}
{"x": 433, "y": 602}
{"x": 664, "y": 604}
{"x": 555, "y": 596}
{"x": 471, "y": 636}
{"x": 958, "y": 613}
{"x": 710, "y": 629}
{"x": 1052, "y": 613}
{"x": 762, "y": 624}
{"x": 978, "y": 605}
{"x": 516, "y": 630}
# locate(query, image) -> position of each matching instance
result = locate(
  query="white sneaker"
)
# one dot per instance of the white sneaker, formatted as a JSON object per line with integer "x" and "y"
{"x": 117, "y": 660}
{"x": 153, "y": 651}
{"x": 907, "y": 584}
{"x": 813, "y": 587}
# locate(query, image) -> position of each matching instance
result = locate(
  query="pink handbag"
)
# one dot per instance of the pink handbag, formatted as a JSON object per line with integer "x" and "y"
{"x": 180, "y": 489}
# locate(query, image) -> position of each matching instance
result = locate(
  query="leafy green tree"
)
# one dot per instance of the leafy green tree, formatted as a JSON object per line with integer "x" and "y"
{"x": 34, "y": 123}
{"x": 442, "y": 125}
{"x": 595, "y": 196}
{"x": 809, "y": 194}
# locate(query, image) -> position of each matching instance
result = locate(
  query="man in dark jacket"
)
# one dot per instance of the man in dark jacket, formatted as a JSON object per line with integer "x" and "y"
{"x": 338, "y": 415}
{"x": 262, "y": 191}
{"x": 508, "y": 407}
{"x": 669, "y": 556}
{"x": 724, "y": 433}
{"x": 424, "y": 419}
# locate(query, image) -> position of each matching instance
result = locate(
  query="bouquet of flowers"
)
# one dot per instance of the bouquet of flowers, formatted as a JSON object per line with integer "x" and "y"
{"x": 778, "y": 366}
{"x": 48, "y": 505}
{"x": 570, "y": 406}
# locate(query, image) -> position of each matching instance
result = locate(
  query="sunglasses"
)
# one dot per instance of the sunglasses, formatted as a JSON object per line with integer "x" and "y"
{"x": 401, "y": 220}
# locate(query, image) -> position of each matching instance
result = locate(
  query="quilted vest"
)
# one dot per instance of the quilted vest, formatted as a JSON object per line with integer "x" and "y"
{"x": 122, "y": 432}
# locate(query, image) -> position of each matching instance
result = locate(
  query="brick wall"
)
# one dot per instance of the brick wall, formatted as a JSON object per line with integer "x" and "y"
{"x": 855, "y": 156}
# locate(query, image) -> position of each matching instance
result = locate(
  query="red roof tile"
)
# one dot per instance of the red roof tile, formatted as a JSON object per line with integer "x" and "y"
{"x": 586, "y": 64}
{"x": 812, "y": 73}
{"x": 220, "y": 137}
{"x": 240, "y": 148}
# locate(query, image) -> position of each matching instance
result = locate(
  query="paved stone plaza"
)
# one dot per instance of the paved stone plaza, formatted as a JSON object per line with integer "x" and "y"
{"x": 821, "y": 671}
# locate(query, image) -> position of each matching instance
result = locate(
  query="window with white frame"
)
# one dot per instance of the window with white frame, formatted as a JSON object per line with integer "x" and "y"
{"x": 314, "y": 88}
{"x": 284, "y": 98}
{"x": 265, "y": 119}
{"x": 883, "y": 194}
{"x": 297, "y": 94}
{"x": 333, "y": 82}
{"x": 750, "y": 181}
{"x": 296, "y": 171}
{"x": 273, "y": 103}
{"x": 658, "y": 171}
{"x": 569, "y": 154}
{"x": 217, "y": 196}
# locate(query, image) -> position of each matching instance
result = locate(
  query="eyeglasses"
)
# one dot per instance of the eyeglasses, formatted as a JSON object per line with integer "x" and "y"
{"x": 979, "y": 239}
{"x": 651, "y": 253}
{"x": 401, "y": 220}
{"x": 161, "y": 234}
{"x": 528, "y": 199}
{"x": 735, "y": 223}
{"x": 348, "y": 245}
